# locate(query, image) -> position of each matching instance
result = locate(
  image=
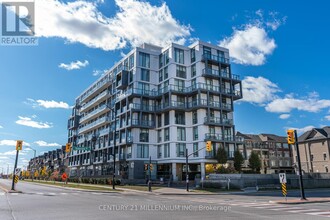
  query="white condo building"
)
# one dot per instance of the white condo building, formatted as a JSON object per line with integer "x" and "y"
{"x": 163, "y": 101}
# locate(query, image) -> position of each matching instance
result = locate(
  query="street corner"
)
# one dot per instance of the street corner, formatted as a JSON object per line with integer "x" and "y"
{"x": 14, "y": 191}
{"x": 301, "y": 201}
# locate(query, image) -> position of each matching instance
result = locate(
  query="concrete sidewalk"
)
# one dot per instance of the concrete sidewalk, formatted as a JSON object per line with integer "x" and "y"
{"x": 300, "y": 201}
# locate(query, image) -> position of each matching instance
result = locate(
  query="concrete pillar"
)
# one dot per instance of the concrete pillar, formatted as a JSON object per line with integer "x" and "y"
{"x": 203, "y": 170}
{"x": 174, "y": 175}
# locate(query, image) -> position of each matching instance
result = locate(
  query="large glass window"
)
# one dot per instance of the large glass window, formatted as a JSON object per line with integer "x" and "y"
{"x": 181, "y": 71}
{"x": 181, "y": 134}
{"x": 165, "y": 72}
{"x": 161, "y": 75}
{"x": 166, "y": 134}
{"x": 179, "y": 84}
{"x": 159, "y": 136}
{"x": 131, "y": 61}
{"x": 195, "y": 133}
{"x": 144, "y": 60}
{"x": 166, "y": 150}
{"x": 180, "y": 118}
{"x": 193, "y": 55}
{"x": 166, "y": 57}
{"x": 161, "y": 60}
{"x": 159, "y": 151}
{"x": 207, "y": 52}
{"x": 167, "y": 118}
{"x": 144, "y": 135}
{"x": 145, "y": 75}
{"x": 180, "y": 150}
{"x": 193, "y": 70}
{"x": 142, "y": 151}
{"x": 179, "y": 55}
{"x": 194, "y": 117}
{"x": 195, "y": 149}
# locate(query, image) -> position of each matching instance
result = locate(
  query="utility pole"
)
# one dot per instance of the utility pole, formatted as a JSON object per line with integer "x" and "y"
{"x": 149, "y": 181}
{"x": 114, "y": 150}
{"x": 13, "y": 183}
{"x": 187, "y": 171}
{"x": 302, "y": 191}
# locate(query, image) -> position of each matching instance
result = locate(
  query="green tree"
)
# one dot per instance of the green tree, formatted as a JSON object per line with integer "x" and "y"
{"x": 255, "y": 162}
{"x": 238, "y": 160}
{"x": 221, "y": 155}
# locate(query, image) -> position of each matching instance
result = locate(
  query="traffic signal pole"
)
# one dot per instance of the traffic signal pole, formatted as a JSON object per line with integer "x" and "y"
{"x": 187, "y": 171}
{"x": 302, "y": 191}
{"x": 13, "y": 183}
{"x": 149, "y": 181}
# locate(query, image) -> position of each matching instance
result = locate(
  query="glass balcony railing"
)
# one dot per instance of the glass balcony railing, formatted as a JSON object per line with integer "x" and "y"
{"x": 95, "y": 123}
{"x": 91, "y": 114}
{"x": 220, "y": 137}
{"x": 141, "y": 107}
{"x": 142, "y": 123}
{"x": 219, "y": 59}
{"x": 94, "y": 88}
{"x": 91, "y": 102}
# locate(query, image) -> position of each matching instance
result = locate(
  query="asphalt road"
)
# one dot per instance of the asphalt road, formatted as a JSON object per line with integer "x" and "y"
{"x": 44, "y": 202}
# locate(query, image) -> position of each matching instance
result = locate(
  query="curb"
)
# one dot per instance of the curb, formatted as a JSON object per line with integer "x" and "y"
{"x": 299, "y": 202}
{"x": 4, "y": 189}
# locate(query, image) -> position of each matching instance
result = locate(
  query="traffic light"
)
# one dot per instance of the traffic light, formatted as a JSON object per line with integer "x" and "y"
{"x": 291, "y": 139}
{"x": 19, "y": 145}
{"x": 145, "y": 166}
{"x": 151, "y": 167}
{"x": 68, "y": 147}
{"x": 208, "y": 146}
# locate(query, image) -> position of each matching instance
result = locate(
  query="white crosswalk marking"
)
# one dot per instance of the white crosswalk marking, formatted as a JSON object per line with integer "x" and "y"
{"x": 63, "y": 193}
{"x": 304, "y": 211}
{"x": 319, "y": 213}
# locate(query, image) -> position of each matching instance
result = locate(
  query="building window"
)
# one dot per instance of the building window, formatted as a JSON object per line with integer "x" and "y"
{"x": 326, "y": 169}
{"x": 159, "y": 151}
{"x": 145, "y": 75}
{"x": 180, "y": 118}
{"x": 180, "y": 150}
{"x": 324, "y": 156}
{"x": 142, "y": 151}
{"x": 193, "y": 70}
{"x": 144, "y": 135}
{"x": 161, "y": 60}
{"x": 144, "y": 60}
{"x": 159, "y": 121}
{"x": 166, "y": 134}
{"x": 165, "y": 72}
{"x": 195, "y": 133}
{"x": 166, "y": 57}
{"x": 167, "y": 118}
{"x": 159, "y": 136}
{"x": 207, "y": 52}
{"x": 193, "y": 55}
{"x": 195, "y": 149}
{"x": 312, "y": 157}
{"x": 181, "y": 71}
{"x": 179, "y": 85}
{"x": 166, "y": 150}
{"x": 179, "y": 55}
{"x": 131, "y": 61}
{"x": 181, "y": 134}
{"x": 194, "y": 117}
{"x": 161, "y": 75}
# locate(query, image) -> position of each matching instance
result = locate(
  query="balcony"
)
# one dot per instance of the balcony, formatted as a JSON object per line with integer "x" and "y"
{"x": 214, "y": 59}
{"x": 94, "y": 100}
{"x": 95, "y": 87}
{"x": 104, "y": 132}
{"x": 141, "y": 107}
{"x": 142, "y": 123}
{"x": 95, "y": 124}
{"x": 94, "y": 113}
{"x": 218, "y": 121}
{"x": 208, "y": 72}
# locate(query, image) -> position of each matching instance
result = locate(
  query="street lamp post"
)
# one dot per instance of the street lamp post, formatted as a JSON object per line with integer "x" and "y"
{"x": 114, "y": 151}
{"x": 94, "y": 139}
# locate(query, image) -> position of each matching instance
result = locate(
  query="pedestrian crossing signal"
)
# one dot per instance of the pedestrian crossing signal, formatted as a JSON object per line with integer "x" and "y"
{"x": 208, "y": 146}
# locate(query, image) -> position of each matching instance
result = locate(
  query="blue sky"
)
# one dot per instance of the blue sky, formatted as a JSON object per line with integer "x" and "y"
{"x": 279, "y": 48}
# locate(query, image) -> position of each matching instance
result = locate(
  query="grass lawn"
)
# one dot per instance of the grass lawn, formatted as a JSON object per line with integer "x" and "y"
{"x": 73, "y": 185}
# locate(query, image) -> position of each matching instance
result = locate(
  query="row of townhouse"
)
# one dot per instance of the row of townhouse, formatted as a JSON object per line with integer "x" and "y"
{"x": 154, "y": 104}
{"x": 52, "y": 160}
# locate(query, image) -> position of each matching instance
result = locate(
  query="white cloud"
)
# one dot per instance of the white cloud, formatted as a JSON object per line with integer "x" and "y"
{"x": 302, "y": 130}
{"x": 249, "y": 46}
{"x": 327, "y": 117}
{"x": 11, "y": 153}
{"x": 45, "y": 144}
{"x": 251, "y": 43}
{"x": 284, "y": 116}
{"x": 12, "y": 143}
{"x": 26, "y": 121}
{"x": 1, "y": 127}
{"x": 74, "y": 65}
{"x": 99, "y": 72}
{"x": 312, "y": 103}
{"x": 134, "y": 23}
{"x": 46, "y": 104}
{"x": 258, "y": 90}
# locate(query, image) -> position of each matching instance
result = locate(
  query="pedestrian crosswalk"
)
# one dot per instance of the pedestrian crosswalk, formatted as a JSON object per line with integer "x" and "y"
{"x": 297, "y": 209}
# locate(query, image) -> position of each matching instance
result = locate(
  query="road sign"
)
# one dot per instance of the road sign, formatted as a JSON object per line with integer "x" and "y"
{"x": 282, "y": 177}
{"x": 17, "y": 171}
{"x": 81, "y": 148}
{"x": 16, "y": 179}
{"x": 284, "y": 192}
{"x": 64, "y": 176}
{"x": 19, "y": 145}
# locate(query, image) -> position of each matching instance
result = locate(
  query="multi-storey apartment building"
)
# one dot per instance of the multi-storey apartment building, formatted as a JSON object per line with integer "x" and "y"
{"x": 156, "y": 103}
{"x": 52, "y": 160}
{"x": 314, "y": 149}
{"x": 274, "y": 151}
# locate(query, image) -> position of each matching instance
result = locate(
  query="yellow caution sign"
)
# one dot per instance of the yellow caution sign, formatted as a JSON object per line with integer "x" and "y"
{"x": 16, "y": 179}
{"x": 284, "y": 192}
